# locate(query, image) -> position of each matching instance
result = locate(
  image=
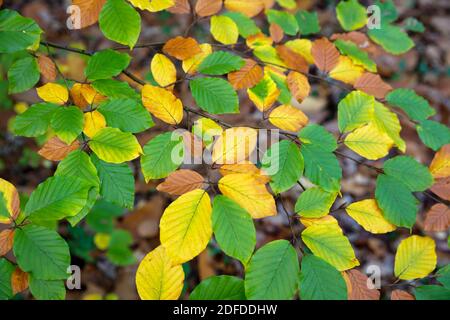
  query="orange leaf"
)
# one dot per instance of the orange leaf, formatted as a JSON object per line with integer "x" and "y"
{"x": 182, "y": 48}
{"x": 401, "y": 295}
{"x": 358, "y": 38}
{"x": 325, "y": 54}
{"x": 437, "y": 218}
{"x": 292, "y": 59}
{"x": 372, "y": 84}
{"x": 19, "y": 281}
{"x": 248, "y": 76}
{"x": 440, "y": 166}
{"x": 181, "y": 182}
{"x": 205, "y": 8}
{"x": 89, "y": 11}
{"x": 56, "y": 150}
{"x": 47, "y": 68}
{"x": 442, "y": 188}
{"x": 298, "y": 85}
{"x": 180, "y": 7}
{"x": 6, "y": 241}
{"x": 276, "y": 32}
{"x": 358, "y": 290}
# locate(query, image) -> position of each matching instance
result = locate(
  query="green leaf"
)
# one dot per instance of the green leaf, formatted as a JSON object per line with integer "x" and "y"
{"x": 391, "y": 38}
{"x": 6, "y": 270}
{"x": 314, "y": 203}
{"x": 285, "y": 96}
{"x": 220, "y": 62}
{"x": 35, "y": 120}
{"x": 162, "y": 155}
{"x": 41, "y": 252}
{"x": 23, "y": 75}
{"x": 283, "y": 162}
{"x": 102, "y": 216}
{"x": 219, "y": 288}
{"x": 308, "y": 22}
{"x": 119, "y": 252}
{"x": 114, "y": 146}
{"x": 319, "y": 280}
{"x": 396, "y": 202}
{"x": 432, "y": 292}
{"x": 433, "y": 134}
{"x": 358, "y": 56}
{"x": 272, "y": 273}
{"x": 67, "y": 122}
{"x": 355, "y": 110}
{"x": 387, "y": 121}
{"x": 246, "y": 26}
{"x": 127, "y": 115}
{"x": 56, "y": 198}
{"x": 214, "y": 95}
{"x": 443, "y": 276}
{"x": 233, "y": 228}
{"x": 117, "y": 182}
{"x": 288, "y": 4}
{"x": 317, "y": 136}
{"x": 408, "y": 171}
{"x": 17, "y": 32}
{"x": 4, "y": 211}
{"x": 47, "y": 289}
{"x": 388, "y": 10}
{"x": 412, "y": 24}
{"x": 415, "y": 106}
{"x": 120, "y": 22}
{"x": 115, "y": 89}
{"x": 351, "y": 15}
{"x": 322, "y": 168}
{"x": 285, "y": 20}
{"x": 106, "y": 64}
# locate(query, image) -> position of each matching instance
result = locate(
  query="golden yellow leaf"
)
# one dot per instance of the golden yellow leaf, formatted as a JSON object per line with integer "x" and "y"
{"x": 286, "y": 117}
{"x": 163, "y": 70}
{"x": 102, "y": 240}
{"x": 369, "y": 142}
{"x": 415, "y": 258}
{"x": 12, "y": 201}
{"x": 248, "y": 76}
{"x": 182, "y": 48}
{"x": 157, "y": 278}
{"x": 162, "y": 104}
{"x": 302, "y": 47}
{"x": 224, "y": 30}
{"x": 93, "y": 122}
{"x": 234, "y": 145}
{"x": 440, "y": 166}
{"x": 298, "y": 85}
{"x": 250, "y": 193}
{"x": 258, "y": 40}
{"x": 153, "y": 5}
{"x": 191, "y": 64}
{"x": 181, "y": 182}
{"x": 245, "y": 167}
{"x": 248, "y": 7}
{"x": 186, "y": 226}
{"x": 56, "y": 150}
{"x": 346, "y": 71}
{"x": 264, "y": 103}
{"x": 54, "y": 93}
{"x": 323, "y": 220}
{"x": 369, "y": 216}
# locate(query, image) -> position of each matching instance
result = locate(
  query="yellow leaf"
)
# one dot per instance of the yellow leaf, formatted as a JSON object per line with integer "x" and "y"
{"x": 323, "y": 220}
{"x": 271, "y": 90}
{"x": 286, "y": 117}
{"x": 248, "y": 7}
{"x": 250, "y": 193}
{"x": 327, "y": 241}
{"x": 12, "y": 201}
{"x": 258, "y": 40}
{"x": 224, "y": 29}
{"x": 440, "y": 166}
{"x": 54, "y": 93}
{"x": 93, "y": 122}
{"x": 369, "y": 142}
{"x": 157, "y": 278}
{"x": 415, "y": 258}
{"x": 163, "y": 70}
{"x": 234, "y": 145}
{"x": 186, "y": 226}
{"x": 298, "y": 85}
{"x": 102, "y": 240}
{"x": 162, "y": 104}
{"x": 245, "y": 167}
{"x": 302, "y": 47}
{"x": 84, "y": 95}
{"x": 369, "y": 216}
{"x": 190, "y": 65}
{"x": 153, "y": 5}
{"x": 346, "y": 71}
{"x": 206, "y": 129}
{"x": 387, "y": 121}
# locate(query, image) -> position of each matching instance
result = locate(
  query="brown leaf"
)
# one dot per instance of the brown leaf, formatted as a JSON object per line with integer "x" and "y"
{"x": 372, "y": 84}
{"x": 358, "y": 290}
{"x": 182, "y": 48}
{"x": 205, "y": 8}
{"x": 440, "y": 166}
{"x": 6, "y": 241}
{"x": 47, "y": 68}
{"x": 1, "y": 3}
{"x": 292, "y": 59}
{"x": 401, "y": 295}
{"x": 19, "y": 281}
{"x": 248, "y": 76}
{"x": 89, "y": 11}
{"x": 298, "y": 85}
{"x": 358, "y": 38}
{"x": 276, "y": 32}
{"x": 442, "y": 188}
{"x": 180, "y": 7}
{"x": 56, "y": 150}
{"x": 437, "y": 218}
{"x": 325, "y": 54}
{"x": 181, "y": 182}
